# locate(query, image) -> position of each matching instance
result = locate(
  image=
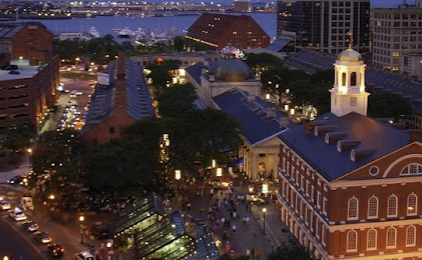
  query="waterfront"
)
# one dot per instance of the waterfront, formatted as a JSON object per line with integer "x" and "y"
{"x": 179, "y": 24}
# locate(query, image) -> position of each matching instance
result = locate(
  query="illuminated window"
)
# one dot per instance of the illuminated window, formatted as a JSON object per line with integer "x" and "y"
{"x": 373, "y": 207}
{"x": 372, "y": 240}
{"x": 391, "y": 237}
{"x": 412, "y": 203}
{"x": 353, "y": 209}
{"x": 352, "y": 240}
{"x": 392, "y": 206}
{"x": 411, "y": 236}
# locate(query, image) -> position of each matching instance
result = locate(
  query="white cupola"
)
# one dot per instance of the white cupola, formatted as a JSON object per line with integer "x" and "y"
{"x": 348, "y": 93}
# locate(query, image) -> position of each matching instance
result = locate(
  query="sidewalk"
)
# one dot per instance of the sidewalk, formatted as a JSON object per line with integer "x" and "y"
{"x": 246, "y": 236}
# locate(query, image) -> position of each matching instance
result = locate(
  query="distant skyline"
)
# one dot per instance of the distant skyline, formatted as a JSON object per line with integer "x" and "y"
{"x": 374, "y": 3}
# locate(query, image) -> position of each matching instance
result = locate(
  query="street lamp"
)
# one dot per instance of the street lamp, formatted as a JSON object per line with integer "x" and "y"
{"x": 177, "y": 174}
{"x": 263, "y": 211}
{"x": 81, "y": 220}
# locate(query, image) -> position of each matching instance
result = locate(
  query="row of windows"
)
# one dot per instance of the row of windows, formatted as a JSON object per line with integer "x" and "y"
{"x": 372, "y": 239}
{"x": 373, "y": 207}
{"x": 398, "y": 16}
{"x": 397, "y": 31}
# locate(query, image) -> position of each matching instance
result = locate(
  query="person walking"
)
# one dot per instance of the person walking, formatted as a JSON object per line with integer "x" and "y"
{"x": 234, "y": 228}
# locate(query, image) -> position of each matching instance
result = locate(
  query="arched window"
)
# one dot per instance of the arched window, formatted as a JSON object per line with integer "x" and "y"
{"x": 353, "y": 78}
{"x": 352, "y": 240}
{"x": 391, "y": 237}
{"x": 411, "y": 236}
{"x": 412, "y": 204}
{"x": 372, "y": 240}
{"x": 413, "y": 168}
{"x": 343, "y": 79}
{"x": 353, "y": 209}
{"x": 392, "y": 206}
{"x": 373, "y": 207}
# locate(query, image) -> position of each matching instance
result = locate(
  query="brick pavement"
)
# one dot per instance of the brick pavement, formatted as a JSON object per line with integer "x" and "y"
{"x": 246, "y": 236}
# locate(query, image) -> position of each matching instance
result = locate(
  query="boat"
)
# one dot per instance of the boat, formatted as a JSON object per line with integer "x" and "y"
{"x": 93, "y": 32}
{"x": 125, "y": 33}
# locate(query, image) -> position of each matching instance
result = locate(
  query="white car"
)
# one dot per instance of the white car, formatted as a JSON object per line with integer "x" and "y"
{"x": 4, "y": 205}
{"x": 84, "y": 255}
{"x": 17, "y": 214}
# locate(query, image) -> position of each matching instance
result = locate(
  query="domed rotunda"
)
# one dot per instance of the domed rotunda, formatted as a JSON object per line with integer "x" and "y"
{"x": 230, "y": 69}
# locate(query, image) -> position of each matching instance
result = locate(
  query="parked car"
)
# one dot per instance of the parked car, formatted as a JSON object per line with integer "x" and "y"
{"x": 100, "y": 231}
{"x": 15, "y": 72}
{"x": 17, "y": 214}
{"x": 10, "y": 67}
{"x": 42, "y": 237}
{"x": 84, "y": 255}
{"x": 12, "y": 257}
{"x": 55, "y": 250}
{"x": 30, "y": 226}
{"x": 4, "y": 205}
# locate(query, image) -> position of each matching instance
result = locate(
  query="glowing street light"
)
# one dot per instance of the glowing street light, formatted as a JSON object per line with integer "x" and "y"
{"x": 81, "y": 220}
{"x": 177, "y": 174}
{"x": 219, "y": 172}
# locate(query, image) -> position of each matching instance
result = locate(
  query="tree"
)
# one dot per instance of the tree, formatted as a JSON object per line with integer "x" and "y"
{"x": 292, "y": 251}
{"x": 177, "y": 100}
{"x": 19, "y": 137}
{"x": 260, "y": 62}
{"x": 388, "y": 105}
{"x": 119, "y": 164}
{"x": 178, "y": 43}
{"x": 161, "y": 74}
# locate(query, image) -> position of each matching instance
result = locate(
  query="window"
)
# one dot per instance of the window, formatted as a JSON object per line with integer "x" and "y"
{"x": 392, "y": 206}
{"x": 373, "y": 207}
{"x": 353, "y": 77}
{"x": 412, "y": 204}
{"x": 352, "y": 240}
{"x": 372, "y": 240}
{"x": 391, "y": 237}
{"x": 343, "y": 79}
{"x": 411, "y": 236}
{"x": 353, "y": 209}
{"x": 318, "y": 199}
{"x": 112, "y": 130}
{"x": 414, "y": 168}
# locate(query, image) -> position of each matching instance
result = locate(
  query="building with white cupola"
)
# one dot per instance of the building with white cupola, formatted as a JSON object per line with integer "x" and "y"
{"x": 349, "y": 185}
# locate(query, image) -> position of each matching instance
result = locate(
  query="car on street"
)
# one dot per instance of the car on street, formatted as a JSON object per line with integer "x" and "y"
{"x": 5, "y": 205}
{"x": 42, "y": 237}
{"x": 84, "y": 255}
{"x": 55, "y": 250}
{"x": 15, "y": 72}
{"x": 17, "y": 214}
{"x": 12, "y": 257}
{"x": 18, "y": 179}
{"x": 100, "y": 231}
{"x": 30, "y": 226}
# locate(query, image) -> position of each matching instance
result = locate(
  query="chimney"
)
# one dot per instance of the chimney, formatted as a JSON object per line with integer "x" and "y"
{"x": 251, "y": 98}
{"x": 358, "y": 154}
{"x": 344, "y": 145}
{"x": 211, "y": 78}
{"x": 414, "y": 135}
{"x": 320, "y": 130}
{"x": 334, "y": 137}
{"x": 402, "y": 119}
{"x": 307, "y": 126}
{"x": 203, "y": 71}
{"x": 271, "y": 113}
{"x": 258, "y": 77}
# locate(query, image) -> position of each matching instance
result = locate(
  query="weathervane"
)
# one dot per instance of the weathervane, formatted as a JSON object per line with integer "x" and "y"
{"x": 350, "y": 33}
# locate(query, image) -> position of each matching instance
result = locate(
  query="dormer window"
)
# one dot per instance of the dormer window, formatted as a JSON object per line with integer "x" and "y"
{"x": 411, "y": 169}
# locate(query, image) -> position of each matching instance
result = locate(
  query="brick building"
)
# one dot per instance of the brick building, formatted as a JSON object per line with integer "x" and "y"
{"x": 349, "y": 184}
{"x": 218, "y": 30}
{"x": 118, "y": 104}
{"x": 30, "y": 93}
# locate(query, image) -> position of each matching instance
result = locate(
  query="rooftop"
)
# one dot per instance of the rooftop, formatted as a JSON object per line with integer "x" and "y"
{"x": 339, "y": 139}
{"x": 259, "y": 120}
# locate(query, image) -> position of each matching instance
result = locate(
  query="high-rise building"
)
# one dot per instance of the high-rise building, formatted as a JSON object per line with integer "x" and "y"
{"x": 395, "y": 30}
{"x": 325, "y": 25}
